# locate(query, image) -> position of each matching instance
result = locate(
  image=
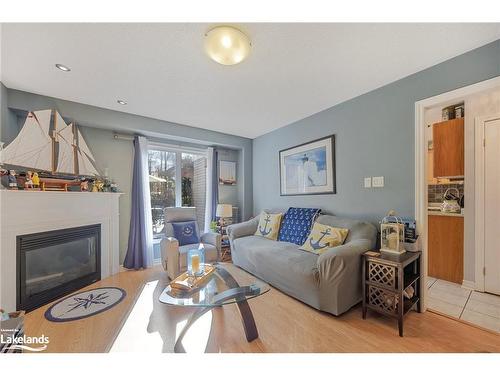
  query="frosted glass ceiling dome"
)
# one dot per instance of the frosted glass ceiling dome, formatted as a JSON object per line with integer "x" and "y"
{"x": 227, "y": 45}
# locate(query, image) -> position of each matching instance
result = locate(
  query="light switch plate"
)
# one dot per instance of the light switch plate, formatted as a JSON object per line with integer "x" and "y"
{"x": 368, "y": 182}
{"x": 378, "y": 181}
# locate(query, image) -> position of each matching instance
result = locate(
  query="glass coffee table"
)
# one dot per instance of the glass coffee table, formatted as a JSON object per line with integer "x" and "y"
{"x": 226, "y": 285}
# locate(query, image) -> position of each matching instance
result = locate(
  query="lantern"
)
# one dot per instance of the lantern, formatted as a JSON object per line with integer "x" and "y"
{"x": 392, "y": 234}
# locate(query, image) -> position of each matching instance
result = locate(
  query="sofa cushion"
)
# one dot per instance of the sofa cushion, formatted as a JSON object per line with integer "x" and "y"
{"x": 296, "y": 224}
{"x": 323, "y": 237}
{"x": 279, "y": 256}
{"x": 269, "y": 225}
{"x": 357, "y": 229}
{"x": 186, "y": 232}
{"x": 281, "y": 264}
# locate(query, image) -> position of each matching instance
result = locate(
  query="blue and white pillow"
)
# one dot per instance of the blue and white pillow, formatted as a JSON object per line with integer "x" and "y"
{"x": 186, "y": 232}
{"x": 297, "y": 224}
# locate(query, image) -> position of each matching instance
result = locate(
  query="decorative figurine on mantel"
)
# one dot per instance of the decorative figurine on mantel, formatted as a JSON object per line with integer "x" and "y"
{"x": 36, "y": 180}
{"x": 114, "y": 186}
{"x": 12, "y": 180}
{"x": 28, "y": 183}
{"x": 84, "y": 185}
{"x": 106, "y": 185}
{"x": 97, "y": 186}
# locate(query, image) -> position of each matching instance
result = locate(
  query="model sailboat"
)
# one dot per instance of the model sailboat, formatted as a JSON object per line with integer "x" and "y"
{"x": 46, "y": 142}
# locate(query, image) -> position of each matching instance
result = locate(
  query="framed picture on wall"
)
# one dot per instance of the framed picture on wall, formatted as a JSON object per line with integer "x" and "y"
{"x": 227, "y": 172}
{"x": 308, "y": 168}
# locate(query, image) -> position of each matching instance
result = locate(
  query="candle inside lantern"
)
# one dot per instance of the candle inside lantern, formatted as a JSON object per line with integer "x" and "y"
{"x": 195, "y": 263}
{"x": 392, "y": 241}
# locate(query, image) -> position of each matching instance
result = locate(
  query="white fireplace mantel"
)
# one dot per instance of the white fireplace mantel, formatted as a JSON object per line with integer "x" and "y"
{"x": 24, "y": 212}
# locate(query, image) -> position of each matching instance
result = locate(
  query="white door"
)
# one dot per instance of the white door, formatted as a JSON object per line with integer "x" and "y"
{"x": 492, "y": 206}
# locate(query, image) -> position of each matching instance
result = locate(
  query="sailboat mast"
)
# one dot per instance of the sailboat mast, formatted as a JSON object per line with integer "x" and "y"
{"x": 54, "y": 140}
{"x": 75, "y": 148}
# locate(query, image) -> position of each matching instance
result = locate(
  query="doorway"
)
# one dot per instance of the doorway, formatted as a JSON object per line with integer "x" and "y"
{"x": 462, "y": 299}
{"x": 177, "y": 178}
{"x": 487, "y": 160}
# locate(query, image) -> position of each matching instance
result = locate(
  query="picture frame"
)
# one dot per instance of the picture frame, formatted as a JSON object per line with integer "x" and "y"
{"x": 308, "y": 168}
{"x": 227, "y": 172}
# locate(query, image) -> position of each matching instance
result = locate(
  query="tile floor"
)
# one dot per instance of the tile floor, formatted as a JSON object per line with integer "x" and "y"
{"x": 481, "y": 309}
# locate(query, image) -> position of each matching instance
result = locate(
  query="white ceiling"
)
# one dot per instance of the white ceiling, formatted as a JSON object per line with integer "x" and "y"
{"x": 161, "y": 70}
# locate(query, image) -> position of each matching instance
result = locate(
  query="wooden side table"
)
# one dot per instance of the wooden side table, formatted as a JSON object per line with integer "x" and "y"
{"x": 385, "y": 279}
{"x": 226, "y": 253}
{"x": 225, "y": 246}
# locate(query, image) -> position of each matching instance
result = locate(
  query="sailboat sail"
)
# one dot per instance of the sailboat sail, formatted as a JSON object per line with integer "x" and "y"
{"x": 65, "y": 159}
{"x": 44, "y": 118}
{"x": 85, "y": 166}
{"x": 32, "y": 148}
{"x": 86, "y": 161}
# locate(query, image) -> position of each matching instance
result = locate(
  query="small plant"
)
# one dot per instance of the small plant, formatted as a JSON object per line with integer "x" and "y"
{"x": 213, "y": 226}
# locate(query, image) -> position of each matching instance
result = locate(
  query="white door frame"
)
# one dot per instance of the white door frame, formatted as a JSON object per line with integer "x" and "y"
{"x": 421, "y": 160}
{"x": 479, "y": 153}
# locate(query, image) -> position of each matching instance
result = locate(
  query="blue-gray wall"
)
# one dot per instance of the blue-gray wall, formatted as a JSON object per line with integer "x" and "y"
{"x": 8, "y": 123}
{"x": 3, "y": 108}
{"x": 98, "y": 126}
{"x": 374, "y": 137}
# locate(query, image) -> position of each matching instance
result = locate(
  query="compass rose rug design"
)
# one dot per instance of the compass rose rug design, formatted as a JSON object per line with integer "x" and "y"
{"x": 84, "y": 304}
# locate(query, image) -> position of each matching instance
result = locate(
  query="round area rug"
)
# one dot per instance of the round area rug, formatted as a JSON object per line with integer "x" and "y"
{"x": 84, "y": 304}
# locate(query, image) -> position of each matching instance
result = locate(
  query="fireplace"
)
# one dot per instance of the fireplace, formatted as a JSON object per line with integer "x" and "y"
{"x": 52, "y": 264}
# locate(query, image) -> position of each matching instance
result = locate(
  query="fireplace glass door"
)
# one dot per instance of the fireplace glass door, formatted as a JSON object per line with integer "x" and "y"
{"x": 52, "y": 264}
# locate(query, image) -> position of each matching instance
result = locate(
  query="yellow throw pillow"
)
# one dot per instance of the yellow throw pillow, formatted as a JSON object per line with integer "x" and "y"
{"x": 323, "y": 237}
{"x": 269, "y": 225}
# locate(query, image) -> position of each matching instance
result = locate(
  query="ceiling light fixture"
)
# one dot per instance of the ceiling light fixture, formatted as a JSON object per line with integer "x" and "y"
{"x": 122, "y": 102}
{"x": 227, "y": 45}
{"x": 62, "y": 67}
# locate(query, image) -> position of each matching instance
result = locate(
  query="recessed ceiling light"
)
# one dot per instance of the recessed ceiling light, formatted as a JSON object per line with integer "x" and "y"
{"x": 227, "y": 45}
{"x": 122, "y": 102}
{"x": 62, "y": 67}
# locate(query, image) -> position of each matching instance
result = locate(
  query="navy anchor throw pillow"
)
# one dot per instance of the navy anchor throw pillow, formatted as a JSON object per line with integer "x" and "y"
{"x": 186, "y": 232}
{"x": 297, "y": 223}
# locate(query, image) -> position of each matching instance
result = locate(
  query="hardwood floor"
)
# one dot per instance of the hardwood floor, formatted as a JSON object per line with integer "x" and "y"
{"x": 284, "y": 324}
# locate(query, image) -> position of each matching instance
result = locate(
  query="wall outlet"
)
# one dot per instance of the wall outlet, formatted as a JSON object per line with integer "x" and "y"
{"x": 368, "y": 182}
{"x": 378, "y": 181}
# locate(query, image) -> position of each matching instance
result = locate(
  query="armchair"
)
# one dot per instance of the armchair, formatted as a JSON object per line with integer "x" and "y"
{"x": 173, "y": 256}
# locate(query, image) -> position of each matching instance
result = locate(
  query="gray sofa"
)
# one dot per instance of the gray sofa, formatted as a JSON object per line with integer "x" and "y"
{"x": 329, "y": 282}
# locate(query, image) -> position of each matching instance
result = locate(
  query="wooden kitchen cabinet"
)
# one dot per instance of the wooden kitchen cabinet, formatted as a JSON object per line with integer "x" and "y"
{"x": 448, "y": 148}
{"x": 431, "y": 180}
{"x": 446, "y": 247}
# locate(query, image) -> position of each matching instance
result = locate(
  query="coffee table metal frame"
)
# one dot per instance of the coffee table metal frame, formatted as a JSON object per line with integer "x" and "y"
{"x": 239, "y": 294}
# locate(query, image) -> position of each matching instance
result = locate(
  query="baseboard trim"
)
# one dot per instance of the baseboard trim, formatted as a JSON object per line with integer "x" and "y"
{"x": 468, "y": 284}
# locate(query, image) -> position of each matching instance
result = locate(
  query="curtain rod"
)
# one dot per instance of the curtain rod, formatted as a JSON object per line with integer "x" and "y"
{"x": 123, "y": 137}
{"x": 170, "y": 146}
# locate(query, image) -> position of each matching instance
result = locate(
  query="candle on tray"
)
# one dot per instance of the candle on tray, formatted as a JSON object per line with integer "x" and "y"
{"x": 195, "y": 263}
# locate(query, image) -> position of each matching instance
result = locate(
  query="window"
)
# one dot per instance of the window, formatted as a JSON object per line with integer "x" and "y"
{"x": 161, "y": 184}
{"x": 177, "y": 178}
{"x": 194, "y": 185}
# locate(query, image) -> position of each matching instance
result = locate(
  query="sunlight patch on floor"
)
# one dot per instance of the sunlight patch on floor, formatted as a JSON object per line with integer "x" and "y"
{"x": 196, "y": 338}
{"x": 134, "y": 335}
